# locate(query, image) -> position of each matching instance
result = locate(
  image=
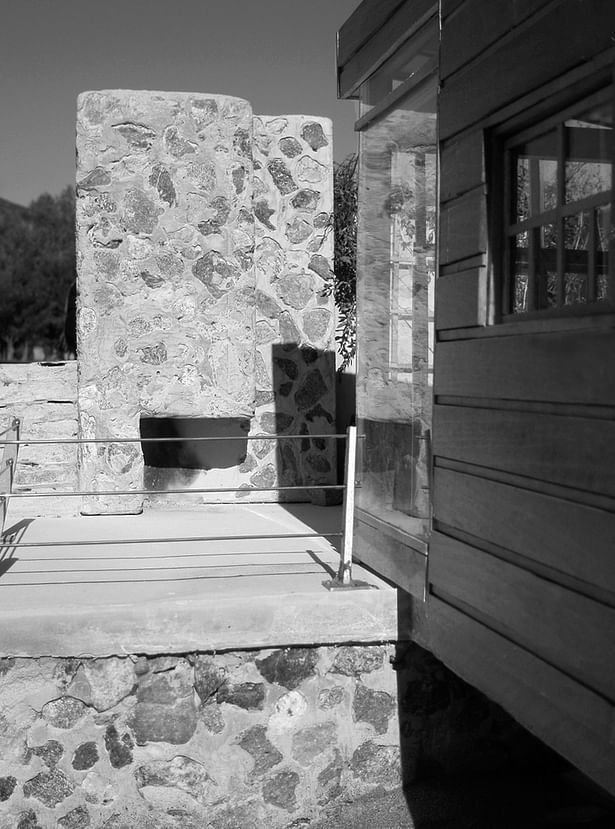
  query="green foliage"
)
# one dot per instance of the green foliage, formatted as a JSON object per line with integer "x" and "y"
{"x": 344, "y": 278}
{"x": 37, "y": 268}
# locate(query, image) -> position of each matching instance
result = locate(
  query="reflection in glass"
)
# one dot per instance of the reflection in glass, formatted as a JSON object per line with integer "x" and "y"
{"x": 588, "y": 154}
{"x": 560, "y": 231}
{"x": 576, "y": 261}
{"x": 536, "y": 176}
{"x": 520, "y": 273}
{"x": 395, "y": 300}
{"x": 602, "y": 218}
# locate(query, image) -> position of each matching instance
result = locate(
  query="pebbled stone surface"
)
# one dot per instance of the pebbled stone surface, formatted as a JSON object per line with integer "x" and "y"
{"x": 260, "y": 748}
{"x": 64, "y": 712}
{"x": 119, "y": 749}
{"x": 85, "y": 756}
{"x": 373, "y": 707}
{"x": 49, "y": 787}
{"x": 182, "y": 773}
{"x": 248, "y": 695}
{"x": 50, "y": 752}
{"x": 7, "y": 787}
{"x": 77, "y": 818}
{"x": 354, "y": 661}
{"x": 280, "y": 790}
{"x": 310, "y": 742}
{"x": 289, "y": 667}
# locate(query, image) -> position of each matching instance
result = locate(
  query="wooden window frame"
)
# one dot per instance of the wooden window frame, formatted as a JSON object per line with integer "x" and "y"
{"x": 549, "y": 113}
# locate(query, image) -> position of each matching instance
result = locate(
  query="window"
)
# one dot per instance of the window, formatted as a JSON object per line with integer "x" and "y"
{"x": 558, "y": 251}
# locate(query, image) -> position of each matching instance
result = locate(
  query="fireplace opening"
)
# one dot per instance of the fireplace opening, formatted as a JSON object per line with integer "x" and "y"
{"x": 193, "y": 454}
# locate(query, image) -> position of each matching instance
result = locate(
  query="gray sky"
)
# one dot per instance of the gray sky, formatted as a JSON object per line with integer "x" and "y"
{"x": 279, "y": 54}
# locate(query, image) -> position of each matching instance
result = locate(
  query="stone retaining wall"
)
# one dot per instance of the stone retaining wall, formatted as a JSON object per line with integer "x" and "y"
{"x": 241, "y": 739}
{"x": 44, "y": 398}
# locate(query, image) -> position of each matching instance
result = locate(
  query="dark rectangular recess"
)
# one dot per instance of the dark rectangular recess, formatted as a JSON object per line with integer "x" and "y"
{"x": 194, "y": 454}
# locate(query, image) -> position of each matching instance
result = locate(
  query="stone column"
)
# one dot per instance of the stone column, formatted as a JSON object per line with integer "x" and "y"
{"x": 295, "y": 322}
{"x": 165, "y": 272}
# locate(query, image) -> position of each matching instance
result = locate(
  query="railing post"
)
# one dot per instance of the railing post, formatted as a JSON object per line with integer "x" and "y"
{"x": 8, "y": 468}
{"x": 344, "y": 575}
{"x": 344, "y": 580}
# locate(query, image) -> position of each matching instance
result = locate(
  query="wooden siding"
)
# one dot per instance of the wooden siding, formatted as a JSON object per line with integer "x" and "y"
{"x": 558, "y": 36}
{"x": 563, "y": 712}
{"x": 372, "y": 34}
{"x": 462, "y": 300}
{"x": 521, "y": 563}
{"x": 385, "y": 549}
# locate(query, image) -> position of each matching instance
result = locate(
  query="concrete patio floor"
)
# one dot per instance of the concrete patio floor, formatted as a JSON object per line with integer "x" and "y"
{"x": 173, "y": 581}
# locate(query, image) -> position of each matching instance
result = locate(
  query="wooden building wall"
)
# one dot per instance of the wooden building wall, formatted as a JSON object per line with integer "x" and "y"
{"x": 522, "y": 557}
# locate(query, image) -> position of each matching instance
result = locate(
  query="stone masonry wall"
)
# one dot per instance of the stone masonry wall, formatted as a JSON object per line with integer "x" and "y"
{"x": 295, "y": 322}
{"x": 44, "y": 398}
{"x": 228, "y": 741}
{"x": 165, "y": 266}
{"x": 167, "y": 214}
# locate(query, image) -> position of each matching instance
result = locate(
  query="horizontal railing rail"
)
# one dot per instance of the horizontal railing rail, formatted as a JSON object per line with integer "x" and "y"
{"x": 343, "y": 578}
{"x": 162, "y": 439}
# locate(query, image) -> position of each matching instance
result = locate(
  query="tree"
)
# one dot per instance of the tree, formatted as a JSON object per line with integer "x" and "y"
{"x": 344, "y": 279}
{"x": 37, "y": 268}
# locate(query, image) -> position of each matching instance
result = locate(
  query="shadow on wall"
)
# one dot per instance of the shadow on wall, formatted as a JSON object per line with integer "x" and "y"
{"x": 303, "y": 390}
{"x": 295, "y": 396}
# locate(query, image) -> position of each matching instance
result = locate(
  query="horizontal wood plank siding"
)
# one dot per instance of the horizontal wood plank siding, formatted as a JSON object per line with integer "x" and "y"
{"x": 394, "y": 31}
{"x": 367, "y": 18}
{"x": 461, "y": 165}
{"x": 524, "y": 61}
{"x": 477, "y": 25}
{"x": 391, "y": 558}
{"x": 463, "y": 227}
{"x": 571, "y": 451}
{"x": 461, "y": 300}
{"x": 557, "y": 367}
{"x": 558, "y": 625}
{"x": 522, "y": 556}
{"x": 447, "y": 7}
{"x": 561, "y": 536}
{"x": 574, "y": 720}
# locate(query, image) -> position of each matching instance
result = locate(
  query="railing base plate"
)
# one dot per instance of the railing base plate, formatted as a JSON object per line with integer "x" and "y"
{"x": 336, "y": 584}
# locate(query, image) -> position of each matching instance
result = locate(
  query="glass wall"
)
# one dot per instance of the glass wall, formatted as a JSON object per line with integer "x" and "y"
{"x": 395, "y": 290}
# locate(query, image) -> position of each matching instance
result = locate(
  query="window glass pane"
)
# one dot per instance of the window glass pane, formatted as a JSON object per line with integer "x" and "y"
{"x": 520, "y": 301}
{"x": 601, "y": 247}
{"x": 536, "y": 176}
{"x": 561, "y": 192}
{"x": 545, "y": 246}
{"x": 396, "y": 250}
{"x": 588, "y": 164}
{"x": 419, "y": 57}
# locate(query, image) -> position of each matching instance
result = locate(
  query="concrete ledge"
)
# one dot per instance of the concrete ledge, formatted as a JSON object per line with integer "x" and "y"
{"x": 205, "y": 595}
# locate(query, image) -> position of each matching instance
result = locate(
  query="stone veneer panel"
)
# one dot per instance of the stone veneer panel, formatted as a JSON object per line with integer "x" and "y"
{"x": 165, "y": 271}
{"x": 295, "y": 323}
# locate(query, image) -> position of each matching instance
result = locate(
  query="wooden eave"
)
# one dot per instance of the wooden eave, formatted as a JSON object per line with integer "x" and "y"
{"x": 375, "y": 30}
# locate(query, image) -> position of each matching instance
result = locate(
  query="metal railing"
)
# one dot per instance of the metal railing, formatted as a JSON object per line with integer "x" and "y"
{"x": 8, "y": 466}
{"x": 10, "y": 441}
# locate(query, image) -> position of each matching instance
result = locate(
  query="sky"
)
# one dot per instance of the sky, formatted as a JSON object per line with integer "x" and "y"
{"x": 278, "y": 54}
